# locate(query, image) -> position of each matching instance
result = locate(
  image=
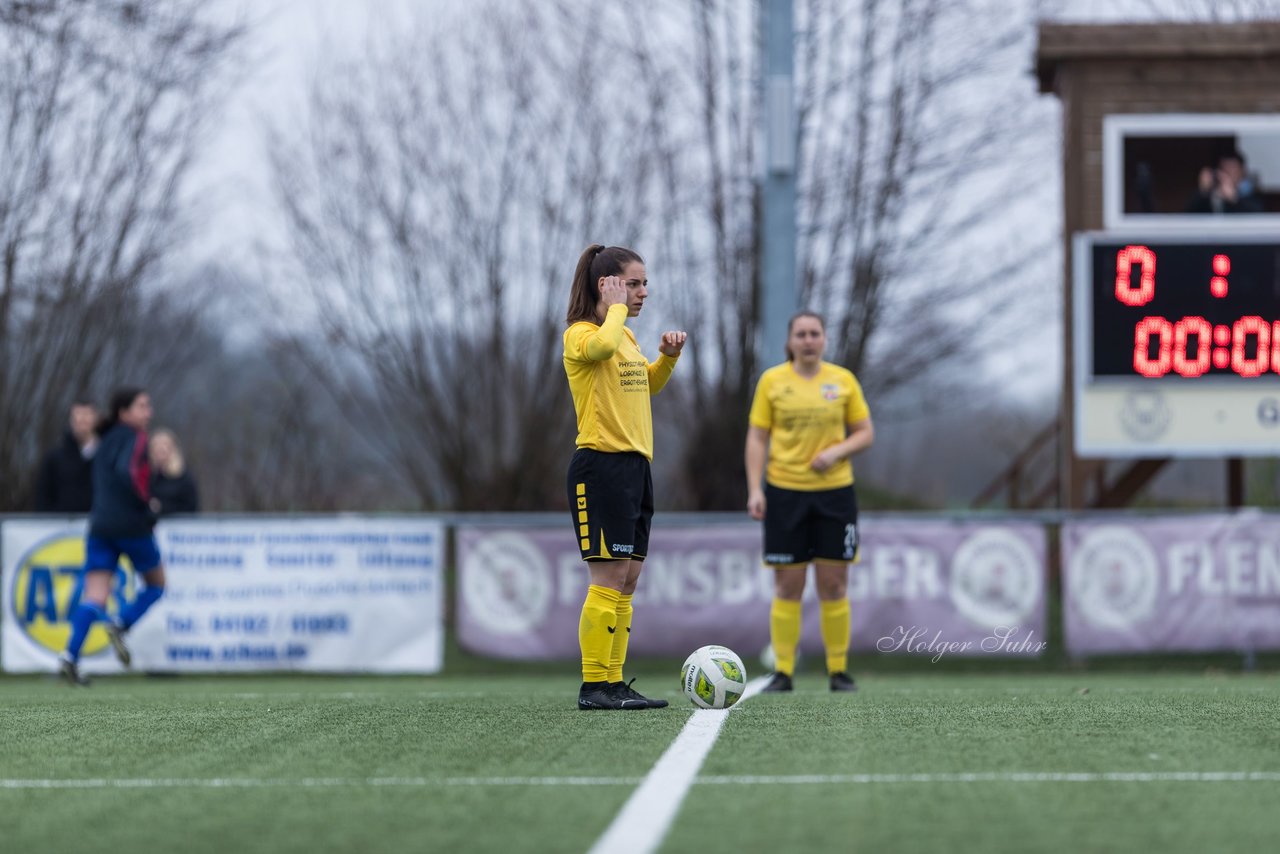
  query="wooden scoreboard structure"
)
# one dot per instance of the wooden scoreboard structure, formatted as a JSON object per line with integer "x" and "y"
{"x": 1171, "y": 197}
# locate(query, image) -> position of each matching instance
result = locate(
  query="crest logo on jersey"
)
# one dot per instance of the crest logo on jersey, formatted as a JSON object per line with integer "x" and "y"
{"x": 830, "y": 391}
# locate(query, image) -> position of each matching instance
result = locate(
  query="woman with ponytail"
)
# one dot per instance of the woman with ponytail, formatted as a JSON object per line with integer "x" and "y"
{"x": 121, "y": 522}
{"x": 609, "y": 483}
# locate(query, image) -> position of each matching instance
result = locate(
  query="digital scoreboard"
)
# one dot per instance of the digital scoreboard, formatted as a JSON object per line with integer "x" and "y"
{"x": 1177, "y": 344}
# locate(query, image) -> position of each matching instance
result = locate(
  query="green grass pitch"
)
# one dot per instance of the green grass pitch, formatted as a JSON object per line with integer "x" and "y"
{"x": 920, "y": 762}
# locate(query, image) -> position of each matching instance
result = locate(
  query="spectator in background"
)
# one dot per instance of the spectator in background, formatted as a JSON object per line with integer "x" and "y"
{"x": 65, "y": 480}
{"x": 173, "y": 489}
{"x": 1226, "y": 188}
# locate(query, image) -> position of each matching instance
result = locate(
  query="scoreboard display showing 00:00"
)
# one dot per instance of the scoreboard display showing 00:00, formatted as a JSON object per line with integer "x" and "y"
{"x": 1186, "y": 310}
{"x": 1175, "y": 343}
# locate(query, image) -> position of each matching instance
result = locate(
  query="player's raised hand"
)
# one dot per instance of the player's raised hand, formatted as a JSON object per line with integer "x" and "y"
{"x": 672, "y": 343}
{"x": 613, "y": 291}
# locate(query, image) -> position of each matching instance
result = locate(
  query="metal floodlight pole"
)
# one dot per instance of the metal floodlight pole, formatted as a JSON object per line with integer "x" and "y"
{"x": 778, "y": 232}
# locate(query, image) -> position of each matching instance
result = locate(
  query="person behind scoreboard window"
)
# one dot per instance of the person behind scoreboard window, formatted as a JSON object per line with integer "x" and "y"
{"x": 609, "y": 482}
{"x": 1226, "y": 188}
{"x": 121, "y": 522}
{"x": 808, "y": 417}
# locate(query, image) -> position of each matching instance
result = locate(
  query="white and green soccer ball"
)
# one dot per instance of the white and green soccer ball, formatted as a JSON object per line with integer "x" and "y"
{"x": 713, "y": 677}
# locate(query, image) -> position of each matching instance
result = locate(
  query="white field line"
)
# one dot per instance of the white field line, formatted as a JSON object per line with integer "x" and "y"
{"x": 344, "y": 695}
{"x": 310, "y": 782}
{"x": 1004, "y": 777}
{"x": 303, "y": 695}
{"x": 642, "y": 824}
{"x": 737, "y": 780}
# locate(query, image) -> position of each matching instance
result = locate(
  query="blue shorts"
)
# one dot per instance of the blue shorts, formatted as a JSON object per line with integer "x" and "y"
{"x": 104, "y": 553}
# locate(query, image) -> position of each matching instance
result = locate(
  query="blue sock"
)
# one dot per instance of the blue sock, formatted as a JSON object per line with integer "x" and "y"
{"x": 135, "y": 609}
{"x": 82, "y": 619}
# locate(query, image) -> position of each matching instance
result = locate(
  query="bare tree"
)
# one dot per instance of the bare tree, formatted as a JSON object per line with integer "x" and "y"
{"x": 436, "y": 201}
{"x": 255, "y": 433}
{"x": 442, "y": 188}
{"x": 904, "y": 163}
{"x": 101, "y": 108}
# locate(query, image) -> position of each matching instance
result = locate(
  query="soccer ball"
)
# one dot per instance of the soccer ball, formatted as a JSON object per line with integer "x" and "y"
{"x": 713, "y": 677}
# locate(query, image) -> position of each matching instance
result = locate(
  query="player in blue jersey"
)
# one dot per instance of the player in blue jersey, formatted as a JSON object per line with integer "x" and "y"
{"x": 121, "y": 522}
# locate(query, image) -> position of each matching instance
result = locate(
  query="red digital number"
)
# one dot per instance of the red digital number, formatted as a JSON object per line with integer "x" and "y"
{"x": 1146, "y": 290}
{"x": 1162, "y": 330}
{"x": 1275, "y": 347}
{"x": 1183, "y": 362}
{"x": 1240, "y": 332}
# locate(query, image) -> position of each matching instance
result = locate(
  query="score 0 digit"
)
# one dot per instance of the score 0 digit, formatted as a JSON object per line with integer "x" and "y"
{"x": 1222, "y": 347}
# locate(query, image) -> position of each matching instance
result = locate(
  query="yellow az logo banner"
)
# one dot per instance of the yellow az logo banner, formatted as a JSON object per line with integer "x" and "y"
{"x": 47, "y": 584}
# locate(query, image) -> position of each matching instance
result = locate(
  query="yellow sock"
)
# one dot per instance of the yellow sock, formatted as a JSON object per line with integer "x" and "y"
{"x": 621, "y": 634}
{"x": 835, "y": 633}
{"x": 595, "y": 635}
{"x": 784, "y": 633}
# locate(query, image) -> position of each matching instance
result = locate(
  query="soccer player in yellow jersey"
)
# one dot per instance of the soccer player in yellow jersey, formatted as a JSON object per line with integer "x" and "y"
{"x": 610, "y": 487}
{"x": 807, "y": 419}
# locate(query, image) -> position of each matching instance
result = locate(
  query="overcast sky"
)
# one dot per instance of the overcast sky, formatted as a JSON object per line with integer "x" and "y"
{"x": 291, "y": 38}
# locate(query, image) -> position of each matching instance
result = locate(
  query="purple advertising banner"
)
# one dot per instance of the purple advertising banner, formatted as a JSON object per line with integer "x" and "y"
{"x": 1186, "y": 583}
{"x": 922, "y": 587}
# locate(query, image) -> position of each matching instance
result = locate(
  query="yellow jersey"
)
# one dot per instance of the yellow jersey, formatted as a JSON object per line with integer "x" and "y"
{"x": 611, "y": 382}
{"x": 804, "y": 416}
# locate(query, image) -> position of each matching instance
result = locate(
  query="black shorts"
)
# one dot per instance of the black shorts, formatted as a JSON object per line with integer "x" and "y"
{"x": 611, "y": 499}
{"x": 800, "y": 527}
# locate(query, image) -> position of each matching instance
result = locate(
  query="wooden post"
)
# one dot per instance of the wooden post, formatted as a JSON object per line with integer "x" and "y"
{"x": 1235, "y": 482}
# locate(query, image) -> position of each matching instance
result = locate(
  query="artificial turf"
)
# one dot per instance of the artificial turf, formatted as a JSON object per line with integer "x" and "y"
{"x": 494, "y": 763}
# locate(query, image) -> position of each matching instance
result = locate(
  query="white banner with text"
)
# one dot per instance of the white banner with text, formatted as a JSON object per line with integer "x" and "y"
{"x": 322, "y": 594}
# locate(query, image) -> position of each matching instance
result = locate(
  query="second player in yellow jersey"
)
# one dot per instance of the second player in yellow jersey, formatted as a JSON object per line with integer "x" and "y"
{"x": 807, "y": 419}
{"x": 804, "y": 416}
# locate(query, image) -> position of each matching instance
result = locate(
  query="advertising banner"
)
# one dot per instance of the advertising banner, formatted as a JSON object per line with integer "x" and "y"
{"x": 925, "y": 587}
{"x": 1187, "y": 583}
{"x": 337, "y": 594}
